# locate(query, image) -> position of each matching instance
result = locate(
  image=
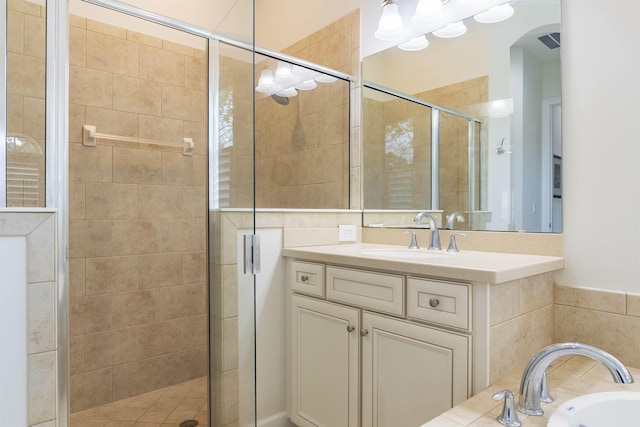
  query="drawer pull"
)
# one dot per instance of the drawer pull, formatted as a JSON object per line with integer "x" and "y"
{"x": 364, "y": 332}
{"x": 350, "y": 328}
{"x": 304, "y": 278}
{"x": 434, "y": 302}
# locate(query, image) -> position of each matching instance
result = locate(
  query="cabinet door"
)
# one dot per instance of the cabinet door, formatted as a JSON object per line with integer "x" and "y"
{"x": 324, "y": 363}
{"x": 410, "y": 373}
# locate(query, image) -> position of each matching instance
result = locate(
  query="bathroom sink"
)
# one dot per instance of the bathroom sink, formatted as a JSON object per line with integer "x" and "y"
{"x": 618, "y": 408}
{"x": 406, "y": 253}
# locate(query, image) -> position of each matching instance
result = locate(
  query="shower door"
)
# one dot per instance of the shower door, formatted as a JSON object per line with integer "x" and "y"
{"x": 204, "y": 93}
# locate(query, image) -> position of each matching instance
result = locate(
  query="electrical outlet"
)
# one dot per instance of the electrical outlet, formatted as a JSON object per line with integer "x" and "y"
{"x": 346, "y": 233}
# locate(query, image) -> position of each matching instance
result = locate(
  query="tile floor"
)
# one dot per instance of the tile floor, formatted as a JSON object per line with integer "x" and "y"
{"x": 166, "y": 407}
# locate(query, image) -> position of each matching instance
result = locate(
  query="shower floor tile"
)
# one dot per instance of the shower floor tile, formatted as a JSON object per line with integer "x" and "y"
{"x": 166, "y": 407}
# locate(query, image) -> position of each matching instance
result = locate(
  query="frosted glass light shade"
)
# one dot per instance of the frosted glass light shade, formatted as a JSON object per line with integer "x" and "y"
{"x": 417, "y": 43}
{"x": 495, "y": 14}
{"x": 325, "y": 78}
{"x": 390, "y": 26}
{"x": 307, "y": 85}
{"x": 427, "y": 12}
{"x": 283, "y": 73}
{"x": 288, "y": 92}
{"x": 472, "y": 4}
{"x": 266, "y": 83}
{"x": 455, "y": 29}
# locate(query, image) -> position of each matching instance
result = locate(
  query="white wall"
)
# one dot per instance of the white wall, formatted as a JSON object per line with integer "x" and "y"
{"x": 13, "y": 322}
{"x": 601, "y": 144}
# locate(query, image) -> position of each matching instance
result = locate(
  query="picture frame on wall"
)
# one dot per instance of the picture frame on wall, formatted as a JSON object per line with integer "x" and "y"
{"x": 557, "y": 177}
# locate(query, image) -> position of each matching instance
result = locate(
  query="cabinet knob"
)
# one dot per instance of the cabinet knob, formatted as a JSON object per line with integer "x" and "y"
{"x": 350, "y": 328}
{"x": 364, "y": 332}
{"x": 434, "y": 302}
{"x": 304, "y": 278}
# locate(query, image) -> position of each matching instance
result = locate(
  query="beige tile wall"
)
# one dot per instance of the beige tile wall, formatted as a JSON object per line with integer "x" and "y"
{"x": 39, "y": 229}
{"x": 26, "y": 100}
{"x": 137, "y": 215}
{"x": 521, "y": 323}
{"x": 302, "y": 149}
{"x": 606, "y": 319}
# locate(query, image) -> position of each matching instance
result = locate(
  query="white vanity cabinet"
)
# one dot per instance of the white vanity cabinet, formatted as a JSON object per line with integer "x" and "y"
{"x": 357, "y": 361}
{"x": 411, "y": 373}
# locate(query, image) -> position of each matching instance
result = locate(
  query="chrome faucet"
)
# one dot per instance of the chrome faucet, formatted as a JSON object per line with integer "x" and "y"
{"x": 434, "y": 242}
{"x": 456, "y": 216}
{"x": 531, "y": 383}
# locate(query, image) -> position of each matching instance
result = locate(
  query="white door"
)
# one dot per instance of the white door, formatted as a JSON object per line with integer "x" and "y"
{"x": 410, "y": 373}
{"x": 324, "y": 363}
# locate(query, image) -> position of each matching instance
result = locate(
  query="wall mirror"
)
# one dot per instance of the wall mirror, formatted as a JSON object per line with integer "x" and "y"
{"x": 470, "y": 124}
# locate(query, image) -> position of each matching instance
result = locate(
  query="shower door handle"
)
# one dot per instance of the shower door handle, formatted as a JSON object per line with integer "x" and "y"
{"x": 251, "y": 254}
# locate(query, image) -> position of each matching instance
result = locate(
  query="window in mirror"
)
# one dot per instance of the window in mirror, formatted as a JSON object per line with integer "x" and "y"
{"x": 25, "y": 99}
{"x": 397, "y": 133}
{"x": 418, "y": 157}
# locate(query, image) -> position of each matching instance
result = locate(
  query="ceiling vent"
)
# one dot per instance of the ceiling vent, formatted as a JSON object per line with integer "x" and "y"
{"x": 551, "y": 40}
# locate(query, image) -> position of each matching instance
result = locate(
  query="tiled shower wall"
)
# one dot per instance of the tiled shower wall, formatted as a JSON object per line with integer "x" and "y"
{"x": 137, "y": 214}
{"x": 302, "y": 149}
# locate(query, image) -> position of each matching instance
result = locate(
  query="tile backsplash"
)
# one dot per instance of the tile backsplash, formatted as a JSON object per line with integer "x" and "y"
{"x": 606, "y": 319}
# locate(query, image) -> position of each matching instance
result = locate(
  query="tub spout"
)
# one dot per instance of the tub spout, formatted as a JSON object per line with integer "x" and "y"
{"x": 531, "y": 383}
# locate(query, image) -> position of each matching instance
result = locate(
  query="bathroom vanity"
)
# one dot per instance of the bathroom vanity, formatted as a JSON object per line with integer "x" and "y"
{"x": 382, "y": 336}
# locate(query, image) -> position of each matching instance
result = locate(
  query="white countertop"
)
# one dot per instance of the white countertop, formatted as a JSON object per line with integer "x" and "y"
{"x": 487, "y": 267}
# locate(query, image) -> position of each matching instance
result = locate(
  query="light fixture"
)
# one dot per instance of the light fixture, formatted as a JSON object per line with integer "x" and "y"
{"x": 416, "y": 43}
{"x": 472, "y": 5}
{"x": 288, "y": 92}
{"x": 307, "y": 85}
{"x": 266, "y": 83}
{"x": 283, "y": 73}
{"x": 450, "y": 31}
{"x": 390, "y": 26}
{"x": 325, "y": 78}
{"x": 495, "y": 14}
{"x": 428, "y": 12}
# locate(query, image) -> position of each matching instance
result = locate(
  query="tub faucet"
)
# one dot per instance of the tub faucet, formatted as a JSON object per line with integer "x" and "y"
{"x": 434, "y": 242}
{"x": 456, "y": 216}
{"x": 531, "y": 383}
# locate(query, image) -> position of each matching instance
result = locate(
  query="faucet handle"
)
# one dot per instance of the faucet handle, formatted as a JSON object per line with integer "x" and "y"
{"x": 453, "y": 247}
{"x": 508, "y": 417}
{"x": 414, "y": 240}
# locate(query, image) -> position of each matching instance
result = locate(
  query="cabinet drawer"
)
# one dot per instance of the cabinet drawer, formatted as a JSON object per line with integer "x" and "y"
{"x": 439, "y": 302}
{"x": 376, "y": 291}
{"x": 307, "y": 278}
